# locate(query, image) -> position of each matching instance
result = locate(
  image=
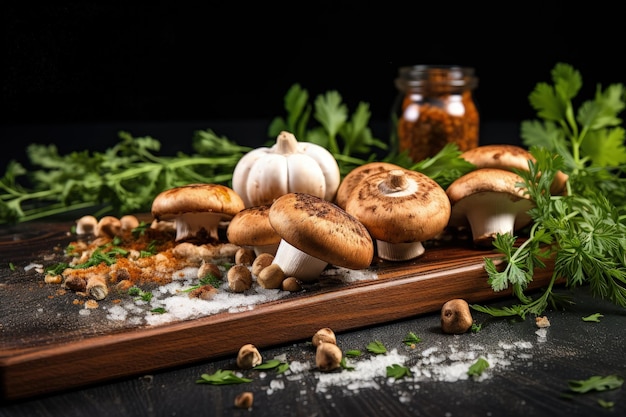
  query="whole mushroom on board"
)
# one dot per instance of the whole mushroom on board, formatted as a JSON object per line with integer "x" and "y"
{"x": 251, "y": 228}
{"x": 509, "y": 157}
{"x": 356, "y": 175}
{"x": 314, "y": 233}
{"x": 490, "y": 201}
{"x": 266, "y": 173}
{"x": 401, "y": 209}
{"x": 197, "y": 209}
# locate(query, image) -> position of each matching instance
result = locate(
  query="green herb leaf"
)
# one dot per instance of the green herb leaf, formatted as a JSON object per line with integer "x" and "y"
{"x": 222, "y": 377}
{"x": 595, "y": 383}
{"x": 397, "y": 371}
{"x": 477, "y": 368}
{"x": 353, "y": 353}
{"x": 376, "y": 347}
{"x": 411, "y": 339}
{"x": 273, "y": 364}
{"x": 593, "y": 317}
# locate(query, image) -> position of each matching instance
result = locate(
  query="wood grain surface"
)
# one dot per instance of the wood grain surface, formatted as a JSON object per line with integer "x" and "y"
{"x": 46, "y": 348}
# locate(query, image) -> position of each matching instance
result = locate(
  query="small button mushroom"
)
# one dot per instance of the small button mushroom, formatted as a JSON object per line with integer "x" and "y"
{"x": 245, "y": 256}
{"x": 291, "y": 284}
{"x": 261, "y": 262}
{"x": 456, "y": 317}
{"x": 509, "y": 157}
{"x": 490, "y": 201}
{"x": 271, "y": 277}
{"x": 324, "y": 335}
{"x": 314, "y": 233}
{"x": 197, "y": 209}
{"x": 86, "y": 225}
{"x": 251, "y": 228}
{"x": 108, "y": 226}
{"x": 244, "y": 400}
{"x": 129, "y": 222}
{"x": 239, "y": 278}
{"x": 401, "y": 209}
{"x": 248, "y": 357}
{"x": 328, "y": 357}
{"x": 355, "y": 176}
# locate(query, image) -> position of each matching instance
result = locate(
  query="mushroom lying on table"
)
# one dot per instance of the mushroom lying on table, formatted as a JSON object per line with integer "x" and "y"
{"x": 251, "y": 228}
{"x": 490, "y": 202}
{"x": 197, "y": 209}
{"x": 314, "y": 233}
{"x": 510, "y": 157}
{"x": 401, "y": 209}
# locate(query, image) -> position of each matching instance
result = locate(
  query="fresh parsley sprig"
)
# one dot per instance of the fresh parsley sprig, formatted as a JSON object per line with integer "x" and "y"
{"x": 123, "y": 179}
{"x": 584, "y": 229}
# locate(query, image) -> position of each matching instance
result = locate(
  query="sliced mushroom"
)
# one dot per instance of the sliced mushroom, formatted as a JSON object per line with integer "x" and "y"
{"x": 401, "y": 209}
{"x": 197, "y": 209}
{"x": 490, "y": 201}
{"x": 509, "y": 157}
{"x": 314, "y": 233}
{"x": 356, "y": 175}
{"x": 251, "y": 228}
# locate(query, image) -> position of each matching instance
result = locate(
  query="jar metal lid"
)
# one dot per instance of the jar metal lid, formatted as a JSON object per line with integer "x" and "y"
{"x": 442, "y": 75}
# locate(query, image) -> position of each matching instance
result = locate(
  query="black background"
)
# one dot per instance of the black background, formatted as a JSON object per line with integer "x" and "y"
{"x": 113, "y": 63}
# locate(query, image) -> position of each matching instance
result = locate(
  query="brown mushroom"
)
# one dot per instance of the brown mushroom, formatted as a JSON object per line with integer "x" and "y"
{"x": 251, "y": 228}
{"x": 509, "y": 157}
{"x": 401, "y": 209}
{"x": 456, "y": 317}
{"x": 356, "y": 175}
{"x": 490, "y": 201}
{"x": 314, "y": 233}
{"x": 197, "y": 209}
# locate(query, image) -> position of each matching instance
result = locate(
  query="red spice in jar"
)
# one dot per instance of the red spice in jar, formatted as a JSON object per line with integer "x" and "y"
{"x": 435, "y": 108}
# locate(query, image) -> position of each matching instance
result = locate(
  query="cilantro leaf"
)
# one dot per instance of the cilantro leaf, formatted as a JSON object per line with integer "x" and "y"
{"x": 376, "y": 347}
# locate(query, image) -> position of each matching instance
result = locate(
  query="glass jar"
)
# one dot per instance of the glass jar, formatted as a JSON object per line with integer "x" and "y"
{"x": 435, "y": 106}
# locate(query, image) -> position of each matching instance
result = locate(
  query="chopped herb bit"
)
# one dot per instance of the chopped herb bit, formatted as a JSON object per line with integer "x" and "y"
{"x": 411, "y": 339}
{"x": 477, "y": 368}
{"x": 376, "y": 347}
{"x": 605, "y": 404}
{"x": 595, "y": 383}
{"x": 221, "y": 377}
{"x": 353, "y": 353}
{"x": 593, "y": 317}
{"x": 476, "y": 327}
{"x": 273, "y": 364}
{"x": 158, "y": 310}
{"x": 344, "y": 365}
{"x": 11, "y": 266}
{"x": 397, "y": 371}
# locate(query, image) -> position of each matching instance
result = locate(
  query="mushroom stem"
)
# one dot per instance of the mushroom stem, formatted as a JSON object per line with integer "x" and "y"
{"x": 490, "y": 220}
{"x": 188, "y": 224}
{"x": 399, "y": 251}
{"x": 298, "y": 264}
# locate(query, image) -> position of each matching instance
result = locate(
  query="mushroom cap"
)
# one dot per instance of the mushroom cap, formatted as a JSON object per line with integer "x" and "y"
{"x": 504, "y": 156}
{"x": 322, "y": 229}
{"x": 356, "y": 175}
{"x": 413, "y": 212}
{"x": 251, "y": 227}
{"x": 197, "y": 198}
{"x": 489, "y": 189}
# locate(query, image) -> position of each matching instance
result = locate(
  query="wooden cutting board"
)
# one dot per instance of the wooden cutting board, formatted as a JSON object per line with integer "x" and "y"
{"x": 46, "y": 346}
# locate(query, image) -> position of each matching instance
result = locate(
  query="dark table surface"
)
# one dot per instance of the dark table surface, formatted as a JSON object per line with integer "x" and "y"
{"x": 528, "y": 374}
